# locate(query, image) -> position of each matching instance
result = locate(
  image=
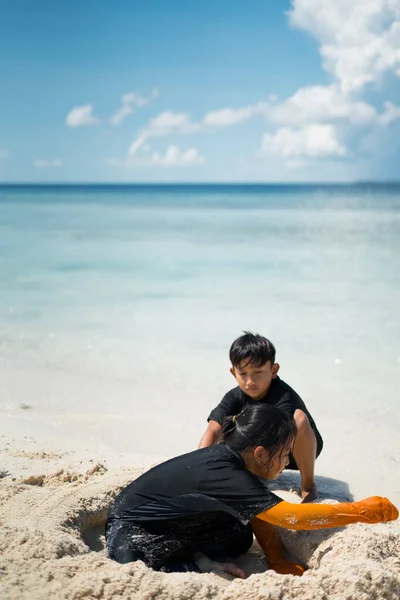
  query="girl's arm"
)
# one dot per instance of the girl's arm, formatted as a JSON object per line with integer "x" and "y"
{"x": 270, "y": 543}
{"x": 313, "y": 516}
{"x": 321, "y": 516}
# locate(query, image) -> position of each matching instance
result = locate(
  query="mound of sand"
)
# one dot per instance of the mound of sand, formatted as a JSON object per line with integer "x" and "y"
{"x": 52, "y": 547}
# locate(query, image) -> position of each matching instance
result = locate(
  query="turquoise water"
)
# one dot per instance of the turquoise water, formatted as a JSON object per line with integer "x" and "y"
{"x": 133, "y": 294}
{"x": 87, "y": 262}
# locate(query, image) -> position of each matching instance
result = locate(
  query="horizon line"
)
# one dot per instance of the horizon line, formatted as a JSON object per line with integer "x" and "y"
{"x": 198, "y": 183}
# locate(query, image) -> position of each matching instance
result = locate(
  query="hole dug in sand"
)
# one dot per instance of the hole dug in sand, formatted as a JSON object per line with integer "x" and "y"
{"x": 92, "y": 532}
{"x": 60, "y": 514}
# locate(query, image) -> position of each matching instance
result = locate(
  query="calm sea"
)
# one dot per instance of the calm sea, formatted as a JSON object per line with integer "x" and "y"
{"x": 118, "y": 305}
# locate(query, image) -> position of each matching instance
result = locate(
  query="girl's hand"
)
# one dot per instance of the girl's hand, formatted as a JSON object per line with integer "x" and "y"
{"x": 285, "y": 567}
{"x": 377, "y": 510}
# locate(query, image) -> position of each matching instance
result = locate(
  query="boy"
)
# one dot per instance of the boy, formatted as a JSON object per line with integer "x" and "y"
{"x": 253, "y": 366}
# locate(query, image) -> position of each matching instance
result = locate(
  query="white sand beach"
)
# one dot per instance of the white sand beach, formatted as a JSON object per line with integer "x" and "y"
{"x": 53, "y": 507}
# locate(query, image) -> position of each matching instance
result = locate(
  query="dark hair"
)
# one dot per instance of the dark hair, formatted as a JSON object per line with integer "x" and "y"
{"x": 253, "y": 348}
{"x": 259, "y": 425}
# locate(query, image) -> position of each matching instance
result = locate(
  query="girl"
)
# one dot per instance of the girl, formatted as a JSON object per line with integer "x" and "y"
{"x": 208, "y": 503}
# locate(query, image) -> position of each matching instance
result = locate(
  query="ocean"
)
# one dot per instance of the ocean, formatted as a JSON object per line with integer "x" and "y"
{"x": 118, "y": 305}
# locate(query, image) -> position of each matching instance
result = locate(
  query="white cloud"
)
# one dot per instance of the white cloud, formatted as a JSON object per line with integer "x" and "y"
{"x": 129, "y": 102}
{"x": 226, "y": 117}
{"x": 166, "y": 123}
{"x": 45, "y": 164}
{"x": 391, "y": 113}
{"x": 315, "y": 141}
{"x": 175, "y": 157}
{"x": 359, "y": 39}
{"x": 310, "y": 104}
{"x": 81, "y": 116}
{"x": 320, "y": 104}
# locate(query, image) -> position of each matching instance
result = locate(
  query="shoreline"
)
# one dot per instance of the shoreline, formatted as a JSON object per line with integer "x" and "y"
{"x": 67, "y": 404}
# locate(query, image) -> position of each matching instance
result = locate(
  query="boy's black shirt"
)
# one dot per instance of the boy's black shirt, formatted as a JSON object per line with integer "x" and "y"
{"x": 192, "y": 490}
{"x": 280, "y": 394}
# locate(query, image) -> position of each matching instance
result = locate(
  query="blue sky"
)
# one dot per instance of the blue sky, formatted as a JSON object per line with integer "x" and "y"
{"x": 161, "y": 90}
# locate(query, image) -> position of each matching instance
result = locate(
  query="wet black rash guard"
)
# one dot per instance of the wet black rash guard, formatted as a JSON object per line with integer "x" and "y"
{"x": 193, "y": 491}
{"x": 280, "y": 395}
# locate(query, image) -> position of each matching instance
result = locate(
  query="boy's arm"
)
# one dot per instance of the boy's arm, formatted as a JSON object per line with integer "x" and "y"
{"x": 321, "y": 516}
{"x": 231, "y": 404}
{"x": 210, "y": 435}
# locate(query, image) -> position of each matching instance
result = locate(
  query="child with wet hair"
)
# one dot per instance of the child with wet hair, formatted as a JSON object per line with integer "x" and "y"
{"x": 253, "y": 365}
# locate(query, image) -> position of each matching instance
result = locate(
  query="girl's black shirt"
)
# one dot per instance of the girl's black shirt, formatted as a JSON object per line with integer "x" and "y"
{"x": 205, "y": 485}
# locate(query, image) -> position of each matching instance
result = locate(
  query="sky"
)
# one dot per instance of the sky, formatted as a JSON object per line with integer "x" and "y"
{"x": 210, "y": 91}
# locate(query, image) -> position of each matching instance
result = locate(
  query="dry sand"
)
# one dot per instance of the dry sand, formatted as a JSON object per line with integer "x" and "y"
{"x": 53, "y": 507}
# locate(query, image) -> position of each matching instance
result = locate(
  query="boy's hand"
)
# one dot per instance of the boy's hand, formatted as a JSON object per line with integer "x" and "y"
{"x": 285, "y": 567}
{"x": 309, "y": 494}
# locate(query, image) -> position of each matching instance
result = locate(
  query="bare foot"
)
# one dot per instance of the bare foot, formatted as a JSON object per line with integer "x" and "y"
{"x": 309, "y": 494}
{"x": 232, "y": 569}
{"x": 206, "y": 565}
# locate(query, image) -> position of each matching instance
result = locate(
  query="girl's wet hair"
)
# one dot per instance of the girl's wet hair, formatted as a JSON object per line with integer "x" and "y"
{"x": 259, "y": 425}
{"x": 252, "y": 349}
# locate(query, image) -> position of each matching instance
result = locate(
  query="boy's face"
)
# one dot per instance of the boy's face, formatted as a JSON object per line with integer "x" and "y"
{"x": 255, "y": 381}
